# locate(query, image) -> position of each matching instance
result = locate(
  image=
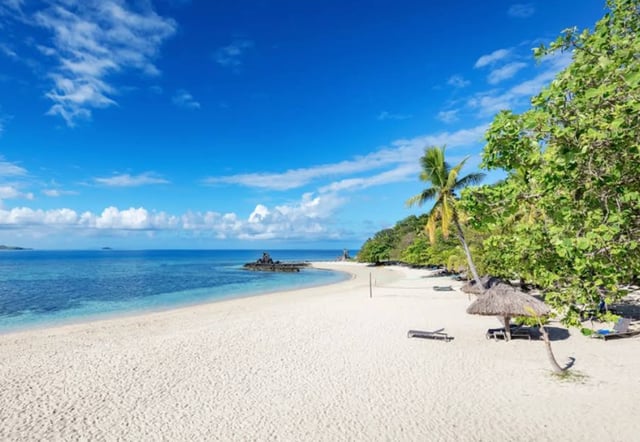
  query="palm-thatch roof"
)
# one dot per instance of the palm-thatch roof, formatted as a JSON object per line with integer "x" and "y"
{"x": 505, "y": 300}
{"x": 472, "y": 288}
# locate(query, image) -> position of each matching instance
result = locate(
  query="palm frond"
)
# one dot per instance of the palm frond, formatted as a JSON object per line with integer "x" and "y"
{"x": 444, "y": 180}
{"x": 422, "y": 197}
{"x": 431, "y": 227}
{"x": 452, "y": 179}
{"x": 469, "y": 180}
{"x": 434, "y": 167}
{"x": 447, "y": 211}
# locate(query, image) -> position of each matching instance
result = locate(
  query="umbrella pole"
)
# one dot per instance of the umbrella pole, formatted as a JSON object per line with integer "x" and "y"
{"x": 507, "y": 327}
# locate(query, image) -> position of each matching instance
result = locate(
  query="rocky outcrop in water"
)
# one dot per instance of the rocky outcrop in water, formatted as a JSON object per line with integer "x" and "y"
{"x": 267, "y": 264}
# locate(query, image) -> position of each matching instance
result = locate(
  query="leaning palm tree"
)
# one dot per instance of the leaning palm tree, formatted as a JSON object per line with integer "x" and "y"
{"x": 445, "y": 181}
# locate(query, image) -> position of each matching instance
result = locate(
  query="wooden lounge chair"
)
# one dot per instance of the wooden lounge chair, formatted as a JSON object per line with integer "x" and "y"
{"x": 620, "y": 330}
{"x": 443, "y": 288}
{"x": 436, "y": 335}
{"x": 516, "y": 333}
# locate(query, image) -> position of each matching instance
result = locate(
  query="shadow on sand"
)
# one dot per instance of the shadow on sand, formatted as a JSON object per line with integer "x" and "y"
{"x": 557, "y": 333}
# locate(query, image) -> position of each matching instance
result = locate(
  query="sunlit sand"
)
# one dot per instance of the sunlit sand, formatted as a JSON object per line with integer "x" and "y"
{"x": 326, "y": 363}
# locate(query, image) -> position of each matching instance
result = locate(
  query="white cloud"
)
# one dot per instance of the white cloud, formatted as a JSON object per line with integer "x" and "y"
{"x": 54, "y": 193}
{"x": 458, "y": 81}
{"x": 3, "y": 119}
{"x": 8, "y": 169}
{"x": 403, "y": 172}
{"x": 129, "y": 219}
{"x": 46, "y": 50}
{"x": 22, "y": 217}
{"x": 126, "y": 180}
{"x": 521, "y": 10}
{"x": 259, "y": 214}
{"x": 488, "y": 103}
{"x": 12, "y": 192}
{"x": 492, "y": 58}
{"x": 231, "y": 55}
{"x": 8, "y": 51}
{"x": 449, "y": 116}
{"x": 505, "y": 72}
{"x": 401, "y": 152}
{"x": 13, "y": 4}
{"x": 11, "y": 7}
{"x": 223, "y": 226}
{"x": 308, "y": 218}
{"x": 185, "y": 100}
{"x": 91, "y": 41}
{"x": 111, "y": 218}
{"x": 389, "y": 116}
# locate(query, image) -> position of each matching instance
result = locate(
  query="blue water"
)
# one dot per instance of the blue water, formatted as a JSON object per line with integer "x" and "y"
{"x": 44, "y": 288}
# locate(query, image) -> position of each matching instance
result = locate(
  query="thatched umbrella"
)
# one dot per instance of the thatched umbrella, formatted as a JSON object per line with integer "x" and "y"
{"x": 472, "y": 288}
{"x": 505, "y": 300}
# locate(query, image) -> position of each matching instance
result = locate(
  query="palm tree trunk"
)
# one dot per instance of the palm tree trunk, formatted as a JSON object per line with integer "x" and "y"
{"x": 507, "y": 327}
{"x": 467, "y": 252}
{"x": 552, "y": 359}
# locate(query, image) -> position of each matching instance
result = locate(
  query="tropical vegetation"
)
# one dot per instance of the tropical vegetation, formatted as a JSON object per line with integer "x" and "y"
{"x": 444, "y": 181}
{"x": 567, "y": 216}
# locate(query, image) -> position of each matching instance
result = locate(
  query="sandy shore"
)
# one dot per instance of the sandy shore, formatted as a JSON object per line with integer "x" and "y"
{"x": 326, "y": 363}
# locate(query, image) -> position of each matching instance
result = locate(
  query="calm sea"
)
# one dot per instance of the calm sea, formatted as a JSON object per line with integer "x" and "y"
{"x": 43, "y": 288}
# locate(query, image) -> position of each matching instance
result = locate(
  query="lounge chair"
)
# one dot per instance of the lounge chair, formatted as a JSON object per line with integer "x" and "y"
{"x": 437, "y": 335}
{"x": 443, "y": 288}
{"x": 620, "y": 330}
{"x": 517, "y": 332}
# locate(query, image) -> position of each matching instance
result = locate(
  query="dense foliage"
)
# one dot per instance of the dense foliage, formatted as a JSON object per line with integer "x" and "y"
{"x": 567, "y": 217}
{"x": 408, "y": 242}
{"x": 389, "y": 244}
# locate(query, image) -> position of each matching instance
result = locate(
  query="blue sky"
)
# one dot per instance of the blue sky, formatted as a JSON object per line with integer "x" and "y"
{"x": 249, "y": 123}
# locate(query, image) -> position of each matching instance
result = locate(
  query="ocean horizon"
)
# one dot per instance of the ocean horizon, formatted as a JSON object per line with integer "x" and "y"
{"x": 44, "y": 288}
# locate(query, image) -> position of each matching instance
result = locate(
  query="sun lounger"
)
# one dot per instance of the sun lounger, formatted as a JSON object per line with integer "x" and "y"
{"x": 443, "y": 288}
{"x": 620, "y": 330}
{"x": 436, "y": 335}
{"x": 516, "y": 333}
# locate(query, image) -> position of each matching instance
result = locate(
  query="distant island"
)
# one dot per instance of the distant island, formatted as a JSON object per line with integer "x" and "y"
{"x": 3, "y": 247}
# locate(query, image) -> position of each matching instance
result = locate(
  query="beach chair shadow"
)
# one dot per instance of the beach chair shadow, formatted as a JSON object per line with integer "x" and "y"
{"x": 557, "y": 333}
{"x": 437, "y": 335}
{"x": 620, "y": 330}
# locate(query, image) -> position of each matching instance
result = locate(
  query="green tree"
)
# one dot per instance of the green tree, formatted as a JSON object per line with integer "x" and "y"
{"x": 379, "y": 247}
{"x": 567, "y": 217}
{"x": 444, "y": 181}
{"x": 418, "y": 252}
{"x": 390, "y": 244}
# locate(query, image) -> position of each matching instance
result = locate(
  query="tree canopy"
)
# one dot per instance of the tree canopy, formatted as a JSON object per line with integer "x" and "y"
{"x": 567, "y": 217}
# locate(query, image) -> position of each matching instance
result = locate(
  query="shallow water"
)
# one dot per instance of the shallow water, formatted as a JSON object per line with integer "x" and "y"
{"x": 42, "y": 288}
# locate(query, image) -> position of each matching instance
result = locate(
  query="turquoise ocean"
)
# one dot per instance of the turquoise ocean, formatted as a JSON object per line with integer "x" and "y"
{"x": 46, "y": 288}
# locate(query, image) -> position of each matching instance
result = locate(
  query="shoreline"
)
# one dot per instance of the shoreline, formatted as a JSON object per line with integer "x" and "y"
{"x": 322, "y": 363}
{"x": 79, "y": 320}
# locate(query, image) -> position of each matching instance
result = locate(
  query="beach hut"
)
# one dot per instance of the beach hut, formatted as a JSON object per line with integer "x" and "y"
{"x": 506, "y": 301}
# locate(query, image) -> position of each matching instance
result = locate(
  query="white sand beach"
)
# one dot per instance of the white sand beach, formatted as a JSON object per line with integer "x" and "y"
{"x": 326, "y": 363}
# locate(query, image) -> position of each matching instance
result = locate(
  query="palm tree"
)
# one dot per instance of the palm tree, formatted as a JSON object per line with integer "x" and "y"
{"x": 445, "y": 181}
